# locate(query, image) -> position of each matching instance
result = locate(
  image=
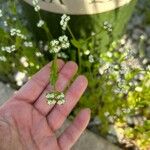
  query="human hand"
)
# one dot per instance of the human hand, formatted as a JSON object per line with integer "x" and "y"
{"x": 27, "y": 122}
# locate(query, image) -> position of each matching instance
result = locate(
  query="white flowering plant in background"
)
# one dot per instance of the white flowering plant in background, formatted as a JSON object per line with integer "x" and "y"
{"x": 119, "y": 78}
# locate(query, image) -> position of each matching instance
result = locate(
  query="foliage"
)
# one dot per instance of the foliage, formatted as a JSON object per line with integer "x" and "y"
{"x": 25, "y": 58}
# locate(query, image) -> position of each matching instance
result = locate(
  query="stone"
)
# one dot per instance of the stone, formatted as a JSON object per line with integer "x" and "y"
{"x": 5, "y": 92}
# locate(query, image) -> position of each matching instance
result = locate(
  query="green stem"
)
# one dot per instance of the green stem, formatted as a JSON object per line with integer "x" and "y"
{"x": 78, "y": 48}
{"x": 71, "y": 33}
{"x": 79, "y": 59}
{"x": 89, "y": 38}
{"x": 54, "y": 67}
{"x": 54, "y": 71}
{"x": 47, "y": 30}
{"x": 141, "y": 45}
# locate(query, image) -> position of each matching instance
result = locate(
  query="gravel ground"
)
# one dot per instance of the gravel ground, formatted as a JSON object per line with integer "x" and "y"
{"x": 136, "y": 38}
{"x": 139, "y": 27}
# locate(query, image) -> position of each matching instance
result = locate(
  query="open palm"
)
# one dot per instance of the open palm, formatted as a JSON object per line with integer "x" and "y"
{"x": 28, "y": 123}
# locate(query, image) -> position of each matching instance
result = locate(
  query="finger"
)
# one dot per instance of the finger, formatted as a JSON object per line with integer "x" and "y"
{"x": 35, "y": 86}
{"x": 64, "y": 77}
{"x": 60, "y": 112}
{"x": 74, "y": 131}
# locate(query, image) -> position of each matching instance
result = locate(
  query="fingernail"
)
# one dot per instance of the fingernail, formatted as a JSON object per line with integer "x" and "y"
{"x": 88, "y": 110}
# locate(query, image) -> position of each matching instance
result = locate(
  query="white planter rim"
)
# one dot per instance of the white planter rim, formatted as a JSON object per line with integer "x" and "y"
{"x": 80, "y": 7}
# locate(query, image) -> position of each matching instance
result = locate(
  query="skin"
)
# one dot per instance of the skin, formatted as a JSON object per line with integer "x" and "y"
{"x": 28, "y": 123}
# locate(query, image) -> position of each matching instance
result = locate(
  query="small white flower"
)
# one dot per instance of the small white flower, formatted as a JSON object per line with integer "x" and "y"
{"x": 111, "y": 119}
{"x": 61, "y": 43}
{"x": 117, "y": 91}
{"x": 61, "y": 96}
{"x": 37, "y": 8}
{"x": 138, "y": 89}
{"x": 104, "y": 68}
{"x": 46, "y": 48}
{"x": 142, "y": 37}
{"x": 61, "y": 102}
{"x": 36, "y": 5}
{"x": 62, "y": 55}
{"x": 38, "y": 54}
{"x": 24, "y": 61}
{"x": 53, "y": 98}
{"x": 145, "y": 61}
{"x": 40, "y": 23}
{"x": 131, "y": 84}
{"x": 87, "y": 52}
{"x": 3, "y": 58}
{"x": 64, "y": 42}
{"x": 93, "y": 33}
{"x": 118, "y": 112}
{"x": 17, "y": 32}
{"x": 1, "y": 13}
{"x": 50, "y": 95}
{"x": 9, "y": 49}
{"x": 91, "y": 59}
{"x": 54, "y": 46}
{"x": 148, "y": 68}
{"x": 106, "y": 114}
{"x": 148, "y": 84}
{"x": 28, "y": 44}
{"x": 13, "y": 48}
{"x": 107, "y": 26}
{"x": 106, "y": 23}
{"x": 5, "y": 23}
{"x": 109, "y": 54}
{"x": 35, "y": 2}
{"x": 19, "y": 78}
{"x": 64, "y": 21}
{"x": 51, "y": 102}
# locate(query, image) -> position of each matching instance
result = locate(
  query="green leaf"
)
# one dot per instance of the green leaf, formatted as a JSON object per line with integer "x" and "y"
{"x": 76, "y": 43}
{"x": 54, "y": 71}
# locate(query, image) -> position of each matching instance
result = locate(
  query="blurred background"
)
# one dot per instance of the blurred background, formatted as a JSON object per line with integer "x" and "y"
{"x": 116, "y": 60}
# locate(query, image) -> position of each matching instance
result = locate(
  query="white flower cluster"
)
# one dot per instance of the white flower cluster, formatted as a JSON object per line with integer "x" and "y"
{"x": 110, "y": 117}
{"x": 87, "y": 52}
{"x": 138, "y": 89}
{"x": 55, "y": 47}
{"x": 24, "y": 61}
{"x": 62, "y": 55}
{"x": 64, "y": 42}
{"x": 55, "y": 98}
{"x": 91, "y": 58}
{"x": 40, "y": 23}
{"x": 64, "y": 21}
{"x": 36, "y": 5}
{"x": 133, "y": 63}
{"x": 5, "y": 23}
{"x": 118, "y": 72}
{"x": 61, "y": 43}
{"x": 9, "y": 49}
{"x": 1, "y": 13}
{"x": 20, "y": 78}
{"x": 103, "y": 68}
{"x": 3, "y": 58}
{"x": 28, "y": 44}
{"x": 46, "y": 47}
{"x": 107, "y": 26}
{"x": 17, "y": 32}
{"x": 38, "y": 54}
